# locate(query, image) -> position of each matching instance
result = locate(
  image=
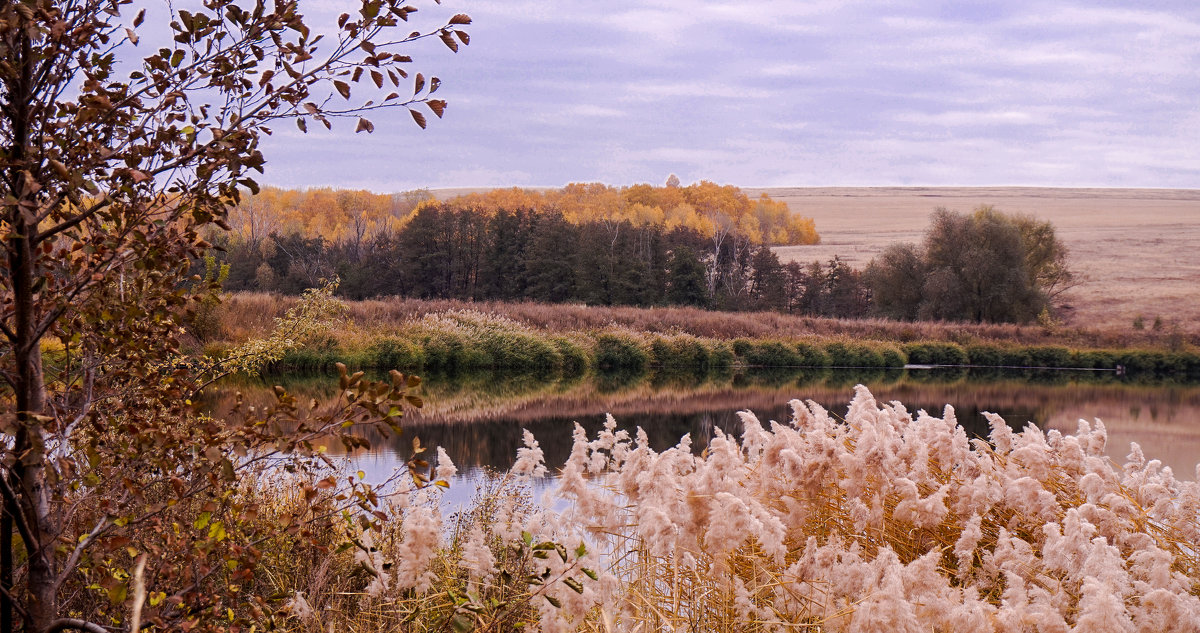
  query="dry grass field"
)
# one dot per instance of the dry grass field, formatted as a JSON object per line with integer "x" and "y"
{"x": 1138, "y": 250}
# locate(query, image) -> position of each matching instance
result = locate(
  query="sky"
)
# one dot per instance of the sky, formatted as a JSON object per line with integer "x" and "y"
{"x": 1094, "y": 93}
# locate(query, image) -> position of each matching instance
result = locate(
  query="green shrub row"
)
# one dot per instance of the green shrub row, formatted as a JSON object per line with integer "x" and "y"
{"x": 1133, "y": 361}
{"x": 611, "y": 351}
{"x": 826, "y": 354}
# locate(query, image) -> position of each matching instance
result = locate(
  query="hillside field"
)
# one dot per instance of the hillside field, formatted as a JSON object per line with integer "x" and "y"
{"x": 1138, "y": 250}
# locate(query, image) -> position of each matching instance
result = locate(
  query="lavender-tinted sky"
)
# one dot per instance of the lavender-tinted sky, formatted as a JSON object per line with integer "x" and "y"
{"x": 824, "y": 92}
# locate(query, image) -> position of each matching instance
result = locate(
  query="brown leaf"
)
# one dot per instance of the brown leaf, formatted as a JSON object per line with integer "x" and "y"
{"x": 448, "y": 39}
{"x": 377, "y": 77}
{"x": 434, "y": 84}
{"x": 418, "y": 117}
{"x": 343, "y": 88}
{"x": 419, "y": 83}
{"x": 461, "y": 18}
{"x": 437, "y": 105}
{"x": 364, "y": 124}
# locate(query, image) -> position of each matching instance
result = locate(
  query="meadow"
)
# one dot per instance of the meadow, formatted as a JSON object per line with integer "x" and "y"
{"x": 1135, "y": 248}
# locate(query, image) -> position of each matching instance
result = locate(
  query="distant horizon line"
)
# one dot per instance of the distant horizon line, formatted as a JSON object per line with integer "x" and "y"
{"x": 751, "y": 187}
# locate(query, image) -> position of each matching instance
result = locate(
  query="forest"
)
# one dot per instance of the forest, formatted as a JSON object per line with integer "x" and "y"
{"x": 702, "y": 245}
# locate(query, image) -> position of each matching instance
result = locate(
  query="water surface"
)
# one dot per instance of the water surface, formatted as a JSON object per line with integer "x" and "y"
{"x": 479, "y": 418}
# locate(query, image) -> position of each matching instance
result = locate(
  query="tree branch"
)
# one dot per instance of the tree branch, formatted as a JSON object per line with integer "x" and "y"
{"x": 63, "y": 624}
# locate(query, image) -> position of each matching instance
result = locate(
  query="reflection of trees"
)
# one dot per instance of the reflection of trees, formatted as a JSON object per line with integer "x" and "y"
{"x": 478, "y": 417}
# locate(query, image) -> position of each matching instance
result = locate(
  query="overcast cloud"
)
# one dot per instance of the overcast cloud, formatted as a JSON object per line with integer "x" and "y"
{"x": 820, "y": 93}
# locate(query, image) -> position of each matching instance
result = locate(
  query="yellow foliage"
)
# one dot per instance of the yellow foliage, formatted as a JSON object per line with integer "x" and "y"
{"x": 346, "y": 215}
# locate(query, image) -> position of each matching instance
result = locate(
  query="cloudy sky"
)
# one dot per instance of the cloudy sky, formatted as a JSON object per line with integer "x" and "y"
{"x": 814, "y": 93}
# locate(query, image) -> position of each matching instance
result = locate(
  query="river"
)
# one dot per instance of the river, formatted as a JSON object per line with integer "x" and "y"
{"x": 479, "y": 418}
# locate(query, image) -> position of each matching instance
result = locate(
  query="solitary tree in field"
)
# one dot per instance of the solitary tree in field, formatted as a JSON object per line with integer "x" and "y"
{"x": 108, "y": 168}
{"x": 984, "y": 267}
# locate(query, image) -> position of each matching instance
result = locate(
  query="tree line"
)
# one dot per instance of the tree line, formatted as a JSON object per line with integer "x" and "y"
{"x": 985, "y": 266}
{"x": 338, "y": 215}
{"x": 448, "y": 252}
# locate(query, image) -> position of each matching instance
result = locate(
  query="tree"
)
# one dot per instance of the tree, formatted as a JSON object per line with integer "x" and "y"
{"x": 686, "y": 278}
{"x": 768, "y": 282}
{"x": 984, "y": 267}
{"x": 106, "y": 182}
{"x": 896, "y": 278}
{"x": 550, "y": 259}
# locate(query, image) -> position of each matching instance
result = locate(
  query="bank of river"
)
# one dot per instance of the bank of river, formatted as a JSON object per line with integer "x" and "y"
{"x": 479, "y": 417}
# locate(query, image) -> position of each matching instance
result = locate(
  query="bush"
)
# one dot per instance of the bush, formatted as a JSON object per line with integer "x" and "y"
{"x": 1139, "y": 361}
{"x": 1094, "y": 359}
{"x": 393, "y": 353}
{"x": 575, "y": 359}
{"x": 679, "y": 351}
{"x": 743, "y": 347}
{"x": 1049, "y": 356}
{"x": 811, "y": 356}
{"x": 936, "y": 353}
{"x": 892, "y": 356}
{"x": 319, "y": 355}
{"x": 517, "y": 350}
{"x": 853, "y": 355}
{"x": 771, "y": 354}
{"x": 984, "y": 355}
{"x": 620, "y": 351}
{"x": 721, "y": 356}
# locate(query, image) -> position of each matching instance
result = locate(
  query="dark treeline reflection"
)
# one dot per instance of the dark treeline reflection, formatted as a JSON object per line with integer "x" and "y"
{"x": 479, "y": 418}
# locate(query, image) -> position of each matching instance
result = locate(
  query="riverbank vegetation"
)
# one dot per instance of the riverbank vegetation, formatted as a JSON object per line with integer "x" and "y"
{"x": 882, "y": 521}
{"x": 450, "y": 336}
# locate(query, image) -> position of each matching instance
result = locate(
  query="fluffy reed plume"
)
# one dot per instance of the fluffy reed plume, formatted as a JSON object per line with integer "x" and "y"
{"x": 888, "y": 522}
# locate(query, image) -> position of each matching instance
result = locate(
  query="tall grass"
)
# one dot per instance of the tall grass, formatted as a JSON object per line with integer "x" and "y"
{"x": 881, "y": 522}
{"x": 245, "y": 313}
{"x": 571, "y": 340}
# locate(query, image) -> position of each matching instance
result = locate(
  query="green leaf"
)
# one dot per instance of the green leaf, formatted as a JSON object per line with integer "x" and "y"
{"x": 462, "y": 623}
{"x": 117, "y": 593}
{"x": 575, "y": 585}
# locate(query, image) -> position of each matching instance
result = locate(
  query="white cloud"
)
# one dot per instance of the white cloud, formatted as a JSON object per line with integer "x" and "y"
{"x": 871, "y": 92}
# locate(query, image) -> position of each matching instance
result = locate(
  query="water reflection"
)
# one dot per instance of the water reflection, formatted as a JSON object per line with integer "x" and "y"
{"x": 479, "y": 417}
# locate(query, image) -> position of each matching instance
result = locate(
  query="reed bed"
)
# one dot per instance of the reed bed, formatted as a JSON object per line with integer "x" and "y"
{"x": 883, "y": 521}
{"x": 247, "y": 314}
